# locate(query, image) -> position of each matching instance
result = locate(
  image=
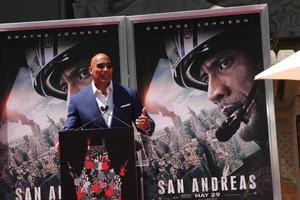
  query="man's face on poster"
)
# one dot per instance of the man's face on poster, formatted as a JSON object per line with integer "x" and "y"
{"x": 229, "y": 74}
{"x": 59, "y": 66}
{"x": 74, "y": 77}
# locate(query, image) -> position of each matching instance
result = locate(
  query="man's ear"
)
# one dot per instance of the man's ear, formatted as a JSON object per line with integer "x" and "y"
{"x": 90, "y": 69}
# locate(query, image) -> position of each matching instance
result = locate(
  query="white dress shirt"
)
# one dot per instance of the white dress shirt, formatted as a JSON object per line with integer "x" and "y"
{"x": 104, "y": 101}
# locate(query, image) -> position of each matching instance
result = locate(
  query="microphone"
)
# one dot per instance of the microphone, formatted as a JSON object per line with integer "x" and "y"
{"x": 230, "y": 126}
{"x": 104, "y": 110}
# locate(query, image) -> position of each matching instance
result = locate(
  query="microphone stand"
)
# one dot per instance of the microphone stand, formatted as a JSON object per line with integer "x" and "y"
{"x": 84, "y": 125}
{"x": 104, "y": 110}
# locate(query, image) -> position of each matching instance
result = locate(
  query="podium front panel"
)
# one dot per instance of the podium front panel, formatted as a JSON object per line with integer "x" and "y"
{"x": 98, "y": 164}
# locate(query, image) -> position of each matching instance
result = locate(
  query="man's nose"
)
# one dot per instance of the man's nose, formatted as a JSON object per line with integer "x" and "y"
{"x": 217, "y": 90}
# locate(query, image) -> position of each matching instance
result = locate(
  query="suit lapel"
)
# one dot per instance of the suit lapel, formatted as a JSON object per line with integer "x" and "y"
{"x": 116, "y": 102}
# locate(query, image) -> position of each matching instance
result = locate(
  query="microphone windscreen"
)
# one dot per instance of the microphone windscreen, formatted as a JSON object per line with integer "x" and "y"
{"x": 223, "y": 136}
{"x": 104, "y": 109}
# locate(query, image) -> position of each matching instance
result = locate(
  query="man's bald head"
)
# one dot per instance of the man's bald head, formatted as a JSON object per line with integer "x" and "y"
{"x": 98, "y": 57}
{"x": 101, "y": 70}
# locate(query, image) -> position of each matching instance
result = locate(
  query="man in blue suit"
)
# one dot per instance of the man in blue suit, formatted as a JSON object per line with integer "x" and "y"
{"x": 106, "y": 104}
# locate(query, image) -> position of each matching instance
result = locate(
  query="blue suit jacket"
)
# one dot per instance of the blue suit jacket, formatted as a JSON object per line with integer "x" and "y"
{"x": 83, "y": 109}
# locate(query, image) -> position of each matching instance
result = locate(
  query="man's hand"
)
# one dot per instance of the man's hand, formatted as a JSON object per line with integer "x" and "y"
{"x": 143, "y": 121}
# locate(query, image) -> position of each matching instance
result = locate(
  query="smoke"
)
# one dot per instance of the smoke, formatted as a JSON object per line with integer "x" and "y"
{"x": 15, "y": 117}
{"x": 155, "y": 108}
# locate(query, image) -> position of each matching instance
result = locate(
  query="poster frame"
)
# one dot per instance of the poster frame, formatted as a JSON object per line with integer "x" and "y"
{"x": 262, "y": 9}
{"x": 14, "y": 29}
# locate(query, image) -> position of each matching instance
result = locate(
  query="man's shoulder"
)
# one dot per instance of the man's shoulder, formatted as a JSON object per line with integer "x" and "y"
{"x": 120, "y": 87}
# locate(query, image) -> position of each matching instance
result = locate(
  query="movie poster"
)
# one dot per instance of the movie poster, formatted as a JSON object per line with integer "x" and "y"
{"x": 104, "y": 165}
{"x": 195, "y": 72}
{"x": 42, "y": 65}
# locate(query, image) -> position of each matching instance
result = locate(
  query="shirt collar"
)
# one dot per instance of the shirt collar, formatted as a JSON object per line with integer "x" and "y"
{"x": 108, "y": 89}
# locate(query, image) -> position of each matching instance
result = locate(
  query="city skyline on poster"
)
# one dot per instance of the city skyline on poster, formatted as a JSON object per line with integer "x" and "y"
{"x": 37, "y": 109}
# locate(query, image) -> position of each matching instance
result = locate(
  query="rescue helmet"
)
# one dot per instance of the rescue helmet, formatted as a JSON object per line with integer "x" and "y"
{"x": 188, "y": 47}
{"x": 49, "y": 56}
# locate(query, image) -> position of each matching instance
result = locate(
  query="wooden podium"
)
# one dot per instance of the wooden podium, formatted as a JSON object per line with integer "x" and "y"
{"x": 98, "y": 164}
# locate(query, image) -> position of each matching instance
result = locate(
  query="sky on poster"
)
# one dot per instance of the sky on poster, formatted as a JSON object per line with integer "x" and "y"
{"x": 26, "y": 101}
{"x": 164, "y": 91}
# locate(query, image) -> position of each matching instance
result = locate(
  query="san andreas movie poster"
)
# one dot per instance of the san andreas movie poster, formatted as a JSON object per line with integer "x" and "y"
{"x": 196, "y": 76}
{"x": 42, "y": 65}
{"x": 98, "y": 164}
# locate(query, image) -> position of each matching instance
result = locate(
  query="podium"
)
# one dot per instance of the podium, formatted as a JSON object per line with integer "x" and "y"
{"x": 98, "y": 164}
